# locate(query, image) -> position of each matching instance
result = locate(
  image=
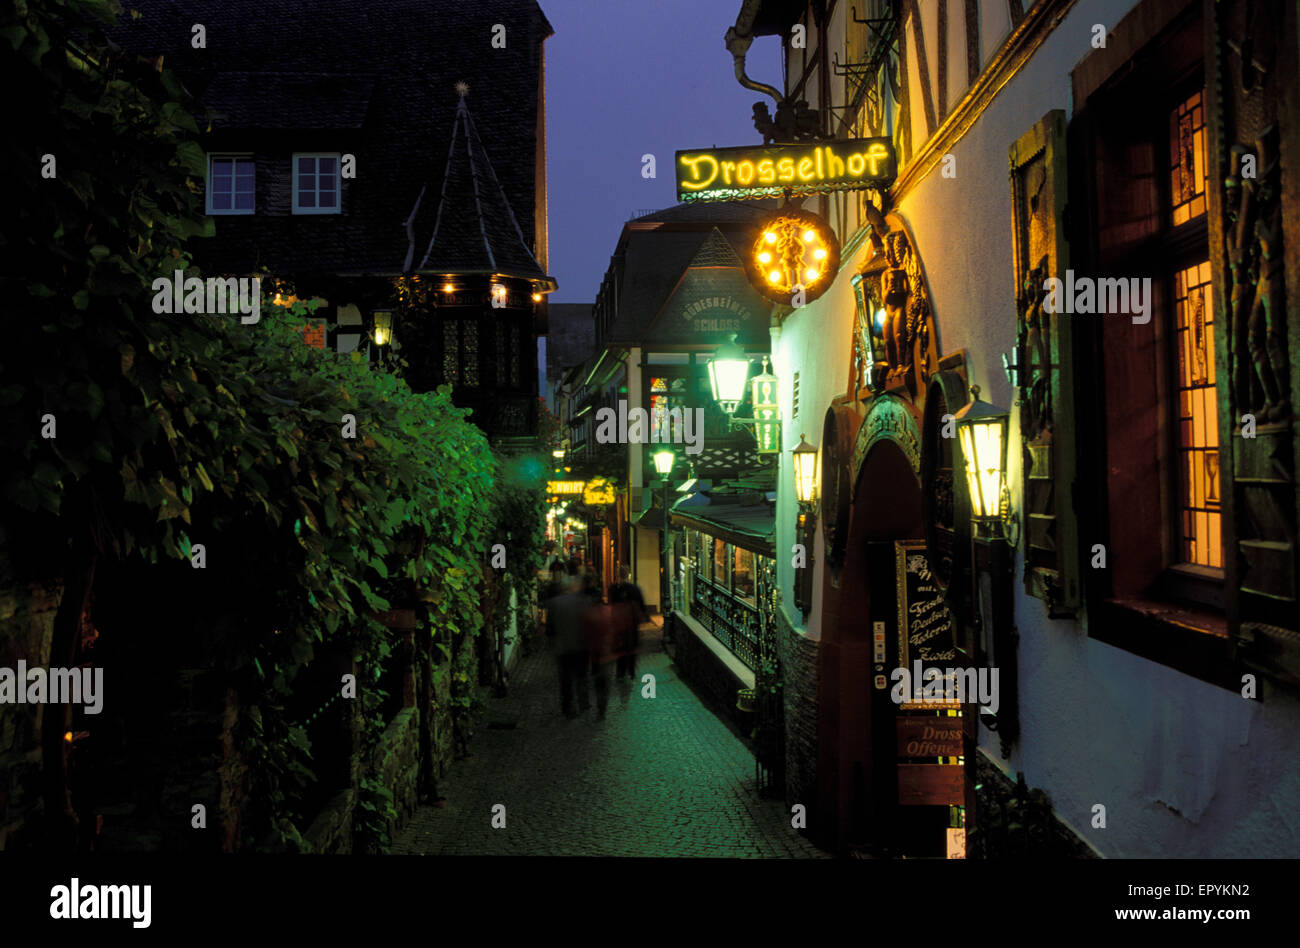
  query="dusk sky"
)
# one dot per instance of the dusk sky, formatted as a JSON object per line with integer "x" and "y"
{"x": 623, "y": 79}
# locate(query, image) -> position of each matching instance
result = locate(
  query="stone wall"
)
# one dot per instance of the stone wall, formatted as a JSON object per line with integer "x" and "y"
{"x": 397, "y": 764}
{"x": 798, "y": 656}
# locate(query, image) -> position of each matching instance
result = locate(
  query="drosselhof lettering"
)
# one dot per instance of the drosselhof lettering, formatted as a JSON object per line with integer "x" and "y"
{"x": 729, "y": 173}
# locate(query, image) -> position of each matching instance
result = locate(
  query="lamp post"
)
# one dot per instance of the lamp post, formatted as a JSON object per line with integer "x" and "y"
{"x": 982, "y": 433}
{"x": 804, "y": 461}
{"x": 664, "y": 459}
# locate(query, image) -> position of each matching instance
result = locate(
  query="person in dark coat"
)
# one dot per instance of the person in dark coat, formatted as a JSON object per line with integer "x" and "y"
{"x": 627, "y": 592}
{"x": 564, "y": 618}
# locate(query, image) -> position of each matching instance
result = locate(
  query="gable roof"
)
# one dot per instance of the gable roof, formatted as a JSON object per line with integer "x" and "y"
{"x": 674, "y": 253}
{"x": 371, "y": 77}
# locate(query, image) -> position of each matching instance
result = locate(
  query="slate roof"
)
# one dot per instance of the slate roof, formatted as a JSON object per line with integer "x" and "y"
{"x": 475, "y": 230}
{"x": 373, "y": 77}
{"x": 655, "y": 259}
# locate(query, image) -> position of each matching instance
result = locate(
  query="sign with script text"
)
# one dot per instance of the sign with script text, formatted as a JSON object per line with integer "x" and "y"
{"x": 760, "y": 171}
{"x": 926, "y": 632}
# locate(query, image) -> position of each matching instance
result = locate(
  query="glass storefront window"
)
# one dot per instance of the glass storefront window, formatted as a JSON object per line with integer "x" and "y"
{"x": 720, "y": 564}
{"x": 742, "y": 574}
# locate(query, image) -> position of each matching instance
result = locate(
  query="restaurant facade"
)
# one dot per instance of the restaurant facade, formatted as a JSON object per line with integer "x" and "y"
{"x": 1048, "y": 384}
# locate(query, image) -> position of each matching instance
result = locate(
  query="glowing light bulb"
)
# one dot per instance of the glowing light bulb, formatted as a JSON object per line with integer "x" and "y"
{"x": 774, "y": 276}
{"x": 819, "y": 253}
{"x": 769, "y": 237}
{"x": 537, "y": 297}
{"x": 809, "y": 236}
{"x": 812, "y": 274}
{"x": 448, "y": 288}
{"x": 764, "y": 257}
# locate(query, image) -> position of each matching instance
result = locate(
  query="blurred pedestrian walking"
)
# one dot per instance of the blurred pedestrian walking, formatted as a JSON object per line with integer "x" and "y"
{"x": 627, "y": 594}
{"x": 600, "y": 631}
{"x": 564, "y": 625}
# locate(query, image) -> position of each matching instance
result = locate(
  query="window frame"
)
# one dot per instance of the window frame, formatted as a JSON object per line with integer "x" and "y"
{"x": 234, "y": 156}
{"x": 1158, "y": 608}
{"x": 296, "y": 207}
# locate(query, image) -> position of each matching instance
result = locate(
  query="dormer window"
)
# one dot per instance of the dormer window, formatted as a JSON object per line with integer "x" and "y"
{"x": 316, "y": 183}
{"x": 230, "y": 184}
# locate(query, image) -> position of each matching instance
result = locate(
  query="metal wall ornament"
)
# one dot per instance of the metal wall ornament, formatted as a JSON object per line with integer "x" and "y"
{"x": 794, "y": 256}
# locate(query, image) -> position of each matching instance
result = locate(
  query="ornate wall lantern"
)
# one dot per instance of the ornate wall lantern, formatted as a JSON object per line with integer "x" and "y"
{"x": 805, "y": 474}
{"x": 982, "y": 433}
{"x": 767, "y": 413}
{"x": 664, "y": 459}
{"x": 805, "y": 460}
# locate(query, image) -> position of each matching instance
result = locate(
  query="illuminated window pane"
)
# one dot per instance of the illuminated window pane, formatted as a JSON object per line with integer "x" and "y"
{"x": 1198, "y": 421}
{"x": 1187, "y": 160}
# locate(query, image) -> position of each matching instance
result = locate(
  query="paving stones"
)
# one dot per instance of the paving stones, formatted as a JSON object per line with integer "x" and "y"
{"x": 657, "y": 777}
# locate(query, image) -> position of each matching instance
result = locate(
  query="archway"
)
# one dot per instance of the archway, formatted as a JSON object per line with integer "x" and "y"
{"x": 857, "y": 779}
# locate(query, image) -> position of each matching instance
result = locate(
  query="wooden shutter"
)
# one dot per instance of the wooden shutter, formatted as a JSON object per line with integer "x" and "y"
{"x": 1045, "y": 368}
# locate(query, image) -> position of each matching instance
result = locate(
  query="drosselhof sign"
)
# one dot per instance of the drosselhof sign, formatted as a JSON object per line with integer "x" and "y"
{"x": 728, "y": 174}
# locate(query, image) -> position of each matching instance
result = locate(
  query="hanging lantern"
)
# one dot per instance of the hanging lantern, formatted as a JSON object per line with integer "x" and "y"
{"x": 767, "y": 425}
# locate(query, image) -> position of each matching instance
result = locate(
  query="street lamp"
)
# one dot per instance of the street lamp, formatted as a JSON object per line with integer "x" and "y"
{"x": 664, "y": 459}
{"x": 728, "y": 370}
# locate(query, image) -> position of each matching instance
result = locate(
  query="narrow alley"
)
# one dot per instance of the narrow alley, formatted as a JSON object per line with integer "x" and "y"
{"x": 657, "y": 777}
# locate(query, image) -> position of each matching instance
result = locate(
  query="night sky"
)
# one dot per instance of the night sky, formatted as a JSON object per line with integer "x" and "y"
{"x": 625, "y": 78}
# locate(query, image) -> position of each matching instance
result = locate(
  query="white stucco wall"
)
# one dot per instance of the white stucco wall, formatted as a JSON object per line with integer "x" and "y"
{"x": 1183, "y": 768}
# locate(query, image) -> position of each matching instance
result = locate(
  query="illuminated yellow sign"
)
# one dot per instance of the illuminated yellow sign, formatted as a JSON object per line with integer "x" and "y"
{"x": 565, "y": 487}
{"x": 728, "y": 174}
{"x": 598, "y": 492}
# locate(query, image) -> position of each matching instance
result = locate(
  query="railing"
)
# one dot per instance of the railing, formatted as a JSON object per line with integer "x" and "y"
{"x": 733, "y": 623}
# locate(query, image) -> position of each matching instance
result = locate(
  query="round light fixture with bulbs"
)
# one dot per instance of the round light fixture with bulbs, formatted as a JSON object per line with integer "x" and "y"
{"x": 793, "y": 250}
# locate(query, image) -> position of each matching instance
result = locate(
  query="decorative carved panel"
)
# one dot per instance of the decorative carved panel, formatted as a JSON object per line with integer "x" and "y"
{"x": 1045, "y": 367}
{"x": 1252, "y": 98}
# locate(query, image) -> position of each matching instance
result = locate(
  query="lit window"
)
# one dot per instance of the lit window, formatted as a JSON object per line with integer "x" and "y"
{"x": 1198, "y": 418}
{"x": 1187, "y": 159}
{"x": 316, "y": 184}
{"x": 230, "y": 184}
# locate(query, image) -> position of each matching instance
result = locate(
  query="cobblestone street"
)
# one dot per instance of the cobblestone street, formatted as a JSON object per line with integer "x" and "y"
{"x": 661, "y": 777}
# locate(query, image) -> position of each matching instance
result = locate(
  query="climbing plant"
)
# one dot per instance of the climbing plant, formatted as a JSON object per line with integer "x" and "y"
{"x": 310, "y": 482}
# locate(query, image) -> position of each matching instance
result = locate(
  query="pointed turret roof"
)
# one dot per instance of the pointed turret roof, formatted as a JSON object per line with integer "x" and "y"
{"x": 475, "y": 230}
